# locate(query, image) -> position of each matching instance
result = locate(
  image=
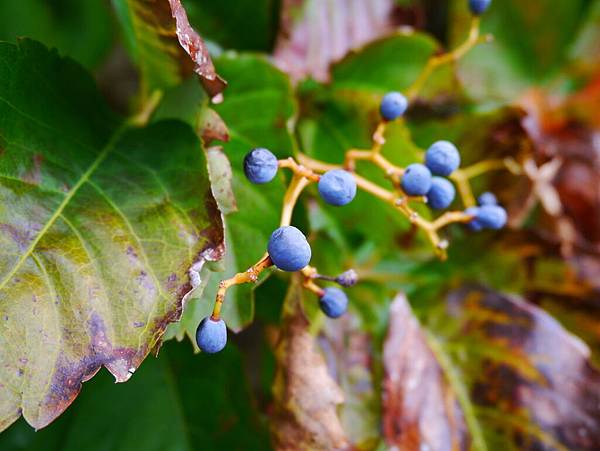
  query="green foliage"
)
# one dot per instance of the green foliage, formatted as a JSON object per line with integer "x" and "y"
{"x": 81, "y": 30}
{"x": 175, "y": 403}
{"x": 99, "y": 230}
{"x": 227, "y": 22}
{"x": 105, "y": 221}
{"x": 532, "y": 49}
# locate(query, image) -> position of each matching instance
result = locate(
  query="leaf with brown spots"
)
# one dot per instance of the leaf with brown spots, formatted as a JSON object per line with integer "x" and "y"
{"x": 306, "y": 397}
{"x": 420, "y": 408}
{"x": 523, "y": 381}
{"x": 165, "y": 46}
{"x": 99, "y": 227}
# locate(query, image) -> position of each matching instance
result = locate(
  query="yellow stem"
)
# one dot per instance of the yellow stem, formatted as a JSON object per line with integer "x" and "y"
{"x": 308, "y": 170}
{"x": 250, "y": 275}
{"x": 464, "y": 187}
{"x": 311, "y": 286}
{"x": 290, "y": 198}
{"x": 439, "y": 60}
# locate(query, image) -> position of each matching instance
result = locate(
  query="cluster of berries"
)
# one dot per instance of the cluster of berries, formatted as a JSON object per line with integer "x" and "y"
{"x": 441, "y": 159}
{"x": 288, "y": 248}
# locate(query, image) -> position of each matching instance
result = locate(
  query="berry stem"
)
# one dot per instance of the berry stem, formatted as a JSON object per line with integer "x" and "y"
{"x": 463, "y": 176}
{"x": 298, "y": 169}
{"x": 250, "y": 275}
{"x": 436, "y": 61}
{"x": 296, "y": 186}
{"x": 311, "y": 286}
{"x": 301, "y": 179}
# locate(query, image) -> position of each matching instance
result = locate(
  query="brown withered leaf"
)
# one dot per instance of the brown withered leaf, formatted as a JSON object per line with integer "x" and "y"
{"x": 567, "y": 131}
{"x": 531, "y": 385}
{"x": 211, "y": 127}
{"x": 420, "y": 409}
{"x": 165, "y": 46}
{"x": 306, "y": 397}
{"x": 195, "y": 47}
{"x": 315, "y": 33}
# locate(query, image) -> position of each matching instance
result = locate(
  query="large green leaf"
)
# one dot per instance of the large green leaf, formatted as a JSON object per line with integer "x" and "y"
{"x": 259, "y": 109}
{"x": 176, "y": 402}
{"x": 99, "y": 224}
{"x": 531, "y": 44}
{"x": 81, "y": 30}
{"x": 389, "y": 64}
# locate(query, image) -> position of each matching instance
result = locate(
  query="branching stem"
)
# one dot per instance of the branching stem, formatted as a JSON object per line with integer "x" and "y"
{"x": 307, "y": 170}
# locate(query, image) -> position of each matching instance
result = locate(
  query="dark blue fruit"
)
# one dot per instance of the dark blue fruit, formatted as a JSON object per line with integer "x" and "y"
{"x": 211, "y": 335}
{"x": 289, "y": 249}
{"x": 260, "y": 165}
{"x": 442, "y": 158}
{"x": 441, "y": 194}
{"x": 334, "y": 302}
{"x": 393, "y": 105}
{"x": 416, "y": 180}
{"x": 487, "y": 198}
{"x": 473, "y": 224}
{"x": 492, "y": 217}
{"x": 337, "y": 187}
{"x": 478, "y": 7}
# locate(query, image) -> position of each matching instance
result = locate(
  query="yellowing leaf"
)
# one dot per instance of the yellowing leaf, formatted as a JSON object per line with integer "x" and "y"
{"x": 99, "y": 225}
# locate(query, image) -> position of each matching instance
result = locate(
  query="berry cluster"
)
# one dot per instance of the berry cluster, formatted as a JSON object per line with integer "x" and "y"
{"x": 429, "y": 182}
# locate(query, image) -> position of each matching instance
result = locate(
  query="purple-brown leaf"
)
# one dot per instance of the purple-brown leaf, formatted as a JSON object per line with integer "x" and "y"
{"x": 315, "y": 33}
{"x": 420, "y": 409}
{"x": 530, "y": 382}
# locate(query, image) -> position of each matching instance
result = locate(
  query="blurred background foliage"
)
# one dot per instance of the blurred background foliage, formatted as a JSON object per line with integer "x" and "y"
{"x": 496, "y": 348}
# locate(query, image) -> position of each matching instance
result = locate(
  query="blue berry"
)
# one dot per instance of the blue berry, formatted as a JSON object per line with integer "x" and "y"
{"x": 487, "y": 198}
{"x": 334, "y": 302}
{"x": 491, "y": 217}
{"x": 442, "y": 158}
{"x": 393, "y": 105}
{"x": 337, "y": 187}
{"x": 441, "y": 194}
{"x": 347, "y": 278}
{"x": 474, "y": 224}
{"x": 211, "y": 335}
{"x": 289, "y": 249}
{"x": 416, "y": 180}
{"x": 478, "y": 7}
{"x": 260, "y": 165}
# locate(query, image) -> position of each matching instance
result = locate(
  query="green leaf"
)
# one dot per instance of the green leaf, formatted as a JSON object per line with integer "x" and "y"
{"x": 236, "y": 24}
{"x": 391, "y": 63}
{"x": 531, "y": 44}
{"x": 81, "y": 30}
{"x": 259, "y": 109}
{"x": 99, "y": 226}
{"x": 177, "y": 402}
